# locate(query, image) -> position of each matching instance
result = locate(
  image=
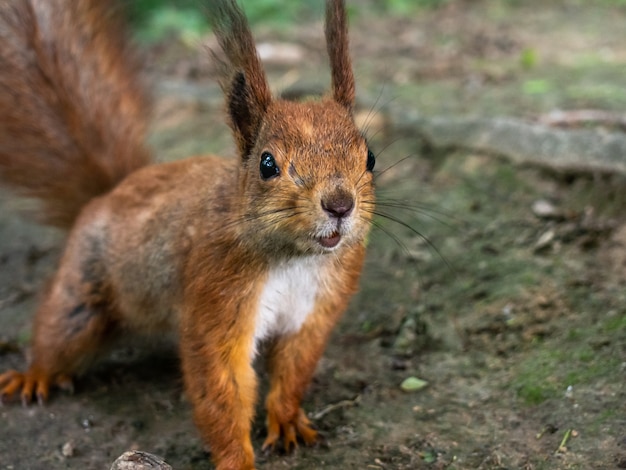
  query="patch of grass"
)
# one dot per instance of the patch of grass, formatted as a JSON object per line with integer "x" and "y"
{"x": 186, "y": 24}
{"x": 156, "y": 20}
{"x": 616, "y": 323}
{"x": 575, "y": 334}
{"x": 597, "y": 93}
{"x": 536, "y": 87}
{"x": 403, "y": 7}
{"x": 610, "y": 3}
{"x": 535, "y": 393}
{"x": 281, "y": 12}
{"x": 585, "y": 355}
{"x": 606, "y": 415}
{"x": 554, "y": 366}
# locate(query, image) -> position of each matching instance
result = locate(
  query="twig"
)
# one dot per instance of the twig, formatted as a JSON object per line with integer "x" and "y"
{"x": 563, "y": 445}
{"x": 334, "y": 406}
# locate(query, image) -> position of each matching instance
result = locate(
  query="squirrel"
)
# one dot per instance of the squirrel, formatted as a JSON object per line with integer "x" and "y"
{"x": 232, "y": 254}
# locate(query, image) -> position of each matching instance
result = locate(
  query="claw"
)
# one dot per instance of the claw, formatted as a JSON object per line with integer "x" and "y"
{"x": 306, "y": 430}
{"x": 290, "y": 441}
{"x": 290, "y": 431}
{"x": 11, "y": 382}
{"x": 29, "y": 385}
{"x": 41, "y": 399}
{"x": 273, "y": 434}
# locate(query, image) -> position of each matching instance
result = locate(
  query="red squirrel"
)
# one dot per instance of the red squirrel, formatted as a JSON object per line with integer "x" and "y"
{"x": 263, "y": 249}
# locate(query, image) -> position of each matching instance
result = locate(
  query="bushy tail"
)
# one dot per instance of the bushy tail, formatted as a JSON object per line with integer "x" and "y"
{"x": 73, "y": 110}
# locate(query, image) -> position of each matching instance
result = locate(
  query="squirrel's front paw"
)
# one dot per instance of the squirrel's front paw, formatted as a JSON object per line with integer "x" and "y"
{"x": 300, "y": 426}
{"x": 29, "y": 384}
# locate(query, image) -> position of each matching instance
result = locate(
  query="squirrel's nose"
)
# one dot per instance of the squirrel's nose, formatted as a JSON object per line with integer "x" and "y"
{"x": 338, "y": 204}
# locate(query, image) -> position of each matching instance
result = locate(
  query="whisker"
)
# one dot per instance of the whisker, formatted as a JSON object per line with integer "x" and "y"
{"x": 378, "y": 174}
{"x": 372, "y": 111}
{"x": 358, "y": 185}
{"x": 391, "y": 143}
{"x": 283, "y": 213}
{"x": 426, "y": 211}
{"x": 391, "y": 235}
{"x": 416, "y": 232}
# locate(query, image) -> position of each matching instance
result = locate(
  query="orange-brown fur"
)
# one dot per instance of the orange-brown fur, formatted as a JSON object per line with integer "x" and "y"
{"x": 189, "y": 245}
{"x": 72, "y": 104}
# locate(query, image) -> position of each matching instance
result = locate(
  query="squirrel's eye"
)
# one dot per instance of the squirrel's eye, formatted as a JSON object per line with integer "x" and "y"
{"x": 269, "y": 169}
{"x": 371, "y": 160}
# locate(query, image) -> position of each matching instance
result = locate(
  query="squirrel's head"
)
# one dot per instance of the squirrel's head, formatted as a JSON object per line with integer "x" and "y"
{"x": 306, "y": 176}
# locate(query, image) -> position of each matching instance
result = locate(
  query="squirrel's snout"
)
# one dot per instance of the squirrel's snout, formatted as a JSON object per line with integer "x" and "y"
{"x": 338, "y": 204}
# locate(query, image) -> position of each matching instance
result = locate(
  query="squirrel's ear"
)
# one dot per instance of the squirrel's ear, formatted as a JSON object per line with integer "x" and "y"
{"x": 244, "y": 82}
{"x": 337, "y": 46}
{"x": 245, "y": 112}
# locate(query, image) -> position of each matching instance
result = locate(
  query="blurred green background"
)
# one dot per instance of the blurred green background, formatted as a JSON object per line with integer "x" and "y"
{"x": 155, "y": 19}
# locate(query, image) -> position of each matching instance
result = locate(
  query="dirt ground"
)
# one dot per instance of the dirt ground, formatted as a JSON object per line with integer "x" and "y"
{"x": 508, "y": 297}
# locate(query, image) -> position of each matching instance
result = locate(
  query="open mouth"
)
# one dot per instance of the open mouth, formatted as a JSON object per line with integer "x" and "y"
{"x": 330, "y": 241}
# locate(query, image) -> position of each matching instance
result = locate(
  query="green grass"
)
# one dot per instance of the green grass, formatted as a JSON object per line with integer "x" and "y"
{"x": 615, "y": 324}
{"x": 186, "y": 24}
{"x": 548, "y": 372}
{"x": 156, "y": 20}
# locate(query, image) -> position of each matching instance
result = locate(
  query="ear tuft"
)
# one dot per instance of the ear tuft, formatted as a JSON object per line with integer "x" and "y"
{"x": 338, "y": 52}
{"x": 244, "y": 82}
{"x": 241, "y": 109}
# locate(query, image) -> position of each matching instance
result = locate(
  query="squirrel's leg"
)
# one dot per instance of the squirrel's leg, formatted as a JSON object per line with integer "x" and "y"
{"x": 292, "y": 359}
{"x": 291, "y": 363}
{"x": 70, "y": 327}
{"x": 221, "y": 384}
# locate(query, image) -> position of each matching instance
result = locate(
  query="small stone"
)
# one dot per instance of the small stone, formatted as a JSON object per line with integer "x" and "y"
{"x": 68, "y": 449}
{"x": 545, "y": 240}
{"x": 545, "y": 210}
{"x": 413, "y": 384}
{"x": 138, "y": 460}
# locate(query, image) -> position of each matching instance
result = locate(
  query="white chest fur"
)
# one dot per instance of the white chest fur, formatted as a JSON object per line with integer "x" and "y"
{"x": 288, "y": 297}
